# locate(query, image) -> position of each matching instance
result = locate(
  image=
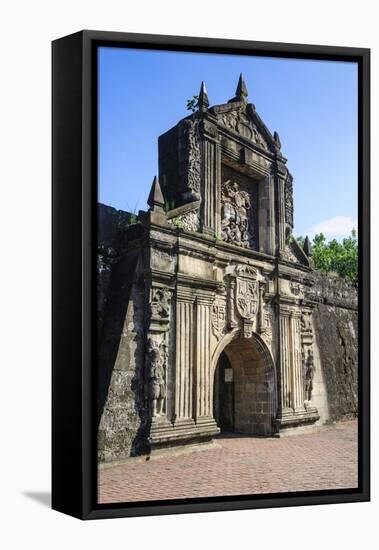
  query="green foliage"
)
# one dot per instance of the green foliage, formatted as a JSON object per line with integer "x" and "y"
{"x": 193, "y": 103}
{"x": 133, "y": 219}
{"x": 123, "y": 224}
{"x": 178, "y": 223}
{"x": 300, "y": 241}
{"x": 341, "y": 258}
{"x": 133, "y": 216}
{"x": 217, "y": 238}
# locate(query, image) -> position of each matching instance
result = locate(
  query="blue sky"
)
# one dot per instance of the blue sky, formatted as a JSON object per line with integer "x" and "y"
{"x": 312, "y": 104}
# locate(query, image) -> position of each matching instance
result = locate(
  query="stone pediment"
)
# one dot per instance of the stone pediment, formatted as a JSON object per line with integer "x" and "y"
{"x": 243, "y": 120}
{"x": 294, "y": 253}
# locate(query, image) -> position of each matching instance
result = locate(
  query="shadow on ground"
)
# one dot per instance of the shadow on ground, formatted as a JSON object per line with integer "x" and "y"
{"x": 42, "y": 497}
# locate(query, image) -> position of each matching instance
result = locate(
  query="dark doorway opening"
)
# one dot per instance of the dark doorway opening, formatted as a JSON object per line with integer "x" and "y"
{"x": 244, "y": 389}
{"x": 224, "y": 395}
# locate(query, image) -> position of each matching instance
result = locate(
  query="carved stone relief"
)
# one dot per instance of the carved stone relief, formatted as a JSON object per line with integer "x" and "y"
{"x": 238, "y": 122}
{"x": 266, "y": 326}
{"x": 296, "y": 288}
{"x": 218, "y": 316}
{"x": 189, "y": 221}
{"x": 288, "y": 198}
{"x": 157, "y": 355}
{"x": 192, "y": 159}
{"x": 306, "y": 323}
{"x": 288, "y": 255}
{"x": 247, "y": 292}
{"x": 235, "y": 214}
{"x": 309, "y": 373}
{"x": 160, "y": 304}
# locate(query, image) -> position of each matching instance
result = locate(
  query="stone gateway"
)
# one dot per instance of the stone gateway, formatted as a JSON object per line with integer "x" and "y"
{"x": 207, "y": 302}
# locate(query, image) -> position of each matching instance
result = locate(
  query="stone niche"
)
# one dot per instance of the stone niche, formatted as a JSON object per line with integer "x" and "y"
{"x": 239, "y": 209}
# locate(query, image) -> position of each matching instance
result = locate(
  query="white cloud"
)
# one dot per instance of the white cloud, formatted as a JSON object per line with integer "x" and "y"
{"x": 339, "y": 226}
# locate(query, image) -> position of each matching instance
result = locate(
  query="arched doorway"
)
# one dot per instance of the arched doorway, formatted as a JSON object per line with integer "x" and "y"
{"x": 244, "y": 388}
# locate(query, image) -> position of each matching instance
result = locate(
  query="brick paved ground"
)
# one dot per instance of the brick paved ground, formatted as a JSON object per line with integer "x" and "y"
{"x": 237, "y": 465}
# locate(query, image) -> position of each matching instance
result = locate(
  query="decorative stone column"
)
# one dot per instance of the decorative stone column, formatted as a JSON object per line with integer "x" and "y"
{"x": 203, "y": 384}
{"x": 281, "y": 226}
{"x": 297, "y": 401}
{"x": 184, "y": 355}
{"x": 285, "y": 364}
{"x": 210, "y": 179}
{"x": 267, "y": 216}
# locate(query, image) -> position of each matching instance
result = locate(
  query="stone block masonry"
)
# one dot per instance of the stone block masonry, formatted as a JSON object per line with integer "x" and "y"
{"x": 211, "y": 316}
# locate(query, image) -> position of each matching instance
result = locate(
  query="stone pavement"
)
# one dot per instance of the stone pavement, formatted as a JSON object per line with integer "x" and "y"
{"x": 237, "y": 465}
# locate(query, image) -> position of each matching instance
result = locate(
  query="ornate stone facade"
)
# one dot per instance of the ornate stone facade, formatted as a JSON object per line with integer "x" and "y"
{"x": 220, "y": 279}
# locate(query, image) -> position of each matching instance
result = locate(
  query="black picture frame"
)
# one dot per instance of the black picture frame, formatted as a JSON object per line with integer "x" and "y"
{"x": 74, "y": 177}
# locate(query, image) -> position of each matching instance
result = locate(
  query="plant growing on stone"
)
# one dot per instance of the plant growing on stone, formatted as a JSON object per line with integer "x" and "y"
{"x": 193, "y": 103}
{"x": 133, "y": 219}
{"x": 178, "y": 223}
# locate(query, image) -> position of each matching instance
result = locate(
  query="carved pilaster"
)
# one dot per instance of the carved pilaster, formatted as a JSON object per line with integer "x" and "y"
{"x": 209, "y": 187}
{"x": 267, "y": 216}
{"x": 285, "y": 370}
{"x": 281, "y": 225}
{"x": 296, "y": 363}
{"x": 265, "y": 318}
{"x": 202, "y": 375}
{"x": 184, "y": 358}
{"x": 231, "y": 307}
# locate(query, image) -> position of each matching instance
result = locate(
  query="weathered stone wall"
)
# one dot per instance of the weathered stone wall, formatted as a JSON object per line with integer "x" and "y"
{"x": 336, "y": 340}
{"x": 126, "y": 425}
{"x": 111, "y": 242}
{"x": 122, "y": 396}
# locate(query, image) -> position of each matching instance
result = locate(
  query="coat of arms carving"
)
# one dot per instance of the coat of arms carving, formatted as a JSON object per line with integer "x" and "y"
{"x": 247, "y": 293}
{"x": 218, "y": 316}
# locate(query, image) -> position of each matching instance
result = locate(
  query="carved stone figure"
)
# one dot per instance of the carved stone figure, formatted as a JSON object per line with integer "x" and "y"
{"x": 235, "y": 212}
{"x": 157, "y": 354}
{"x": 160, "y": 303}
{"x": 309, "y": 372}
{"x": 192, "y": 160}
{"x": 306, "y": 325}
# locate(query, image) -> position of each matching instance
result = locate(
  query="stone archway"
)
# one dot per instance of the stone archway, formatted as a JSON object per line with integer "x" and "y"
{"x": 245, "y": 388}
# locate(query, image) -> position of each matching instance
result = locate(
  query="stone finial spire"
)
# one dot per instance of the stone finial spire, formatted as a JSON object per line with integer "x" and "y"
{"x": 203, "y": 101}
{"x": 241, "y": 91}
{"x": 307, "y": 247}
{"x": 155, "y": 200}
{"x": 278, "y": 144}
